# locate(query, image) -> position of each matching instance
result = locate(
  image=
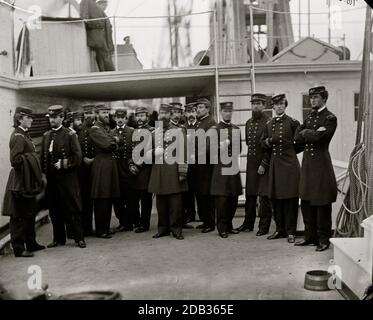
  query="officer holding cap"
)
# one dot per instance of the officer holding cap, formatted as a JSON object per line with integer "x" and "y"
{"x": 318, "y": 186}
{"x": 20, "y": 199}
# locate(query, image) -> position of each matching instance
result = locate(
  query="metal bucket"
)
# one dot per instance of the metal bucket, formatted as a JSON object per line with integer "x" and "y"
{"x": 317, "y": 280}
{"x": 92, "y": 295}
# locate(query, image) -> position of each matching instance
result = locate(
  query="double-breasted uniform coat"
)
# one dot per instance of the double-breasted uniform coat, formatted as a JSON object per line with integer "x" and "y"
{"x": 125, "y": 206}
{"x": 88, "y": 151}
{"x": 99, "y": 33}
{"x": 24, "y": 183}
{"x": 105, "y": 177}
{"x": 283, "y": 172}
{"x": 318, "y": 186}
{"x": 256, "y": 184}
{"x": 226, "y": 188}
{"x": 165, "y": 180}
{"x": 63, "y": 189}
{"x": 141, "y": 183}
{"x": 190, "y": 196}
{"x": 202, "y": 184}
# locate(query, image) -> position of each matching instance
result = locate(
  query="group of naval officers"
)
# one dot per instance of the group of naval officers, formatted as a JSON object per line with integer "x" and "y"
{"x": 86, "y": 168}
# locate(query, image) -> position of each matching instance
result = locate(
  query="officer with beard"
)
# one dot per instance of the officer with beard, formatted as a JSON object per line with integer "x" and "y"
{"x": 204, "y": 171}
{"x": 89, "y": 153}
{"x": 190, "y": 196}
{"x": 168, "y": 179}
{"x": 256, "y": 169}
{"x": 60, "y": 157}
{"x": 125, "y": 207}
{"x": 318, "y": 186}
{"x": 74, "y": 121}
{"x": 144, "y": 198}
{"x": 104, "y": 173}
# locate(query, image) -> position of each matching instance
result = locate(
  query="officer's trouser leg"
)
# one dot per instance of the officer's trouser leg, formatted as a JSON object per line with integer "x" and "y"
{"x": 175, "y": 213}
{"x": 223, "y": 213}
{"x": 291, "y": 208}
{"x": 87, "y": 202}
{"x": 309, "y": 214}
{"x": 324, "y": 224}
{"x": 279, "y": 215}
{"x": 30, "y": 232}
{"x": 163, "y": 214}
{"x": 206, "y": 210}
{"x": 146, "y": 208}
{"x": 71, "y": 210}
{"x": 232, "y": 205}
{"x": 250, "y": 211}
{"x": 131, "y": 213}
{"x": 190, "y": 205}
{"x": 265, "y": 214}
{"x": 102, "y": 208}
{"x": 18, "y": 227}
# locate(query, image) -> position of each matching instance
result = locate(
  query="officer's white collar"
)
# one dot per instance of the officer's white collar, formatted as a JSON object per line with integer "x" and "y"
{"x": 280, "y": 116}
{"x": 204, "y": 117}
{"x": 321, "y": 109}
{"x": 174, "y": 123}
{"x": 121, "y": 128}
{"x": 72, "y": 130}
{"x": 192, "y": 123}
{"x": 56, "y": 129}
{"x": 228, "y": 123}
{"x": 23, "y": 129}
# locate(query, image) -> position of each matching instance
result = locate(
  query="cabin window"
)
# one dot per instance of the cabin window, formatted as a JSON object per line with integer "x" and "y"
{"x": 39, "y": 126}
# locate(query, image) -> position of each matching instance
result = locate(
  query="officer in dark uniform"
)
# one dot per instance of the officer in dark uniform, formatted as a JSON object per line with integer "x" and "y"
{"x": 20, "y": 200}
{"x": 74, "y": 121}
{"x": 318, "y": 186}
{"x": 205, "y": 202}
{"x": 176, "y": 114}
{"x": 191, "y": 124}
{"x": 74, "y": 124}
{"x": 89, "y": 153}
{"x": 168, "y": 179}
{"x": 227, "y": 187}
{"x": 104, "y": 173}
{"x": 284, "y": 170}
{"x": 256, "y": 169}
{"x": 125, "y": 206}
{"x": 60, "y": 157}
{"x": 142, "y": 196}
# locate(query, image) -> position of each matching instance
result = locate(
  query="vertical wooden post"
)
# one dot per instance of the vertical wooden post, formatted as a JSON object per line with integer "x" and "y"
{"x": 252, "y": 50}
{"x": 115, "y": 44}
{"x": 216, "y": 57}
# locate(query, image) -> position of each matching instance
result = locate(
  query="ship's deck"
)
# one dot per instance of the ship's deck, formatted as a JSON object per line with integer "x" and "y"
{"x": 203, "y": 266}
